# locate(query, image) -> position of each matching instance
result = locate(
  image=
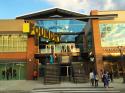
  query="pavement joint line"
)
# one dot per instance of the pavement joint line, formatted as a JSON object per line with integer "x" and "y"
{"x": 80, "y": 91}
{"x": 68, "y": 90}
{"x": 72, "y": 87}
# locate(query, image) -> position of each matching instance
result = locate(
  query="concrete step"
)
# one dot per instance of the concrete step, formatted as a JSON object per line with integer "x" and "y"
{"x": 52, "y": 69}
{"x": 49, "y": 78}
{"x": 79, "y": 74}
{"x": 52, "y": 74}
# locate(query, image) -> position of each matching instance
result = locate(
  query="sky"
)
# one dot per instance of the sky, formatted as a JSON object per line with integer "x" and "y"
{"x": 9, "y": 9}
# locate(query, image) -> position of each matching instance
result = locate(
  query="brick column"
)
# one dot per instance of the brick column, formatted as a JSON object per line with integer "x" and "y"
{"x": 97, "y": 49}
{"x": 31, "y": 62}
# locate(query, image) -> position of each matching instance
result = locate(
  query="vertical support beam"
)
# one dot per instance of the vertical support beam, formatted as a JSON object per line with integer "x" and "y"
{"x": 97, "y": 49}
{"x": 84, "y": 43}
{"x": 31, "y": 62}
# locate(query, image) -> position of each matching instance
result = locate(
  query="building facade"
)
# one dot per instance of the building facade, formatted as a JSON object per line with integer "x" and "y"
{"x": 110, "y": 37}
{"x": 32, "y": 41}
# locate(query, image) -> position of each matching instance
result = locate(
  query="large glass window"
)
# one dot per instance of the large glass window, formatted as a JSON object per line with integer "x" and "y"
{"x": 62, "y": 26}
{"x": 13, "y": 43}
{"x": 89, "y": 40}
{"x": 12, "y": 71}
{"x": 112, "y": 34}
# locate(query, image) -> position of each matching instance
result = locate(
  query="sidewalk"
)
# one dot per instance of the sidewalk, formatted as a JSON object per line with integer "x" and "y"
{"x": 28, "y": 85}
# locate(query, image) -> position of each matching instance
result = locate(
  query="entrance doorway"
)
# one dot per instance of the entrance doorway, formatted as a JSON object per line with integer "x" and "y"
{"x": 12, "y": 71}
{"x": 65, "y": 72}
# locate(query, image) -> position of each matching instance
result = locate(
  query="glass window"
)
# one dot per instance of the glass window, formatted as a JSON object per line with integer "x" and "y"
{"x": 12, "y": 71}
{"x": 13, "y": 43}
{"x": 62, "y": 25}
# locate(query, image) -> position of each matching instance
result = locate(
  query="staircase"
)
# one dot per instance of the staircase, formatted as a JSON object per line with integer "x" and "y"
{"x": 78, "y": 73}
{"x": 52, "y": 74}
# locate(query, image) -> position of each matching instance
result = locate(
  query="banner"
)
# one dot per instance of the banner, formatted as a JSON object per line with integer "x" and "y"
{"x": 112, "y": 35}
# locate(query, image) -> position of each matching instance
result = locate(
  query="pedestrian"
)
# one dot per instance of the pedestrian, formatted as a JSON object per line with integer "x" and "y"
{"x": 106, "y": 79}
{"x": 14, "y": 73}
{"x": 111, "y": 76}
{"x": 35, "y": 75}
{"x": 91, "y": 76}
{"x": 96, "y": 79}
{"x": 101, "y": 74}
{"x": 7, "y": 74}
{"x": 3, "y": 74}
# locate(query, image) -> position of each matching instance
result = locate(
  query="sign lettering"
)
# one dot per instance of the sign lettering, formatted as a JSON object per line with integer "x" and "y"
{"x": 40, "y": 32}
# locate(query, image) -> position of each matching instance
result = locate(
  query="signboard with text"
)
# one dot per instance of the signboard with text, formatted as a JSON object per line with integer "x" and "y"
{"x": 40, "y": 32}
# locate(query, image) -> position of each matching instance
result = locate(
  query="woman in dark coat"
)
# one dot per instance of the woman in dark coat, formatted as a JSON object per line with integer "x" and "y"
{"x": 106, "y": 79}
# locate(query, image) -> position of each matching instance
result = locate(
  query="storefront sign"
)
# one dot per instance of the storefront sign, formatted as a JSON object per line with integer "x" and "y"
{"x": 65, "y": 59}
{"x": 40, "y": 32}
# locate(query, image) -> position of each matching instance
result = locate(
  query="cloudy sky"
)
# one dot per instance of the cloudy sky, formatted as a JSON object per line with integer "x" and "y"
{"x": 12, "y": 8}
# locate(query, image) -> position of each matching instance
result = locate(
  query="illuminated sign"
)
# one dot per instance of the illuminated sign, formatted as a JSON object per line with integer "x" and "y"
{"x": 40, "y": 32}
{"x": 65, "y": 59}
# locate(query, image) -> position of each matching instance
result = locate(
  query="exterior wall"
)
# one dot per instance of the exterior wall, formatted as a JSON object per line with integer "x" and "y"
{"x": 115, "y": 51}
{"x": 28, "y": 56}
{"x": 18, "y": 56}
{"x": 11, "y": 26}
{"x": 119, "y": 19}
{"x": 100, "y": 51}
{"x": 97, "y": 49}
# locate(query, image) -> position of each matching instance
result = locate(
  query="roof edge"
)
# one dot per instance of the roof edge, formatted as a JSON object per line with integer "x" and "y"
{"x": 49, "y": 9}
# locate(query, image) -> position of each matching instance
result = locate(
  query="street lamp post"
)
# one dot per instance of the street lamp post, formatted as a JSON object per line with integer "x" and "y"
{"x": 122, "y": 61}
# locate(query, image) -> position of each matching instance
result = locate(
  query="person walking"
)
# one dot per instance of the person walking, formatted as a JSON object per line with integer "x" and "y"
{"x": 106, "y": 79}
{"x": 96, "y": 79}
{"x": 91, "y": 76}
{"x": 101, "y": 74}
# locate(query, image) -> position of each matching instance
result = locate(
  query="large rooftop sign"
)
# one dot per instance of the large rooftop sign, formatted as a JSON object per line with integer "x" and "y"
{"x": 40, "y": 32}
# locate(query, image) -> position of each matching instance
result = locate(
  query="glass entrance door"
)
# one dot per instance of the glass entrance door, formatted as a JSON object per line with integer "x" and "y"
{"x": 22, "y": 71}
{"x": 13, "y": 71}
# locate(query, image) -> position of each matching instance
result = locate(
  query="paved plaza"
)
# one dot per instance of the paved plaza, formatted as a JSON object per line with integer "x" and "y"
{"x": 28, "y": 86}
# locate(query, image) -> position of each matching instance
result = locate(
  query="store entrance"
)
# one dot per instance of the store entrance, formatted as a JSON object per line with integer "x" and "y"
{"x": 65, "y": 72}
{"x": 13, "y": 71}
{"x": 114, "y": 67}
